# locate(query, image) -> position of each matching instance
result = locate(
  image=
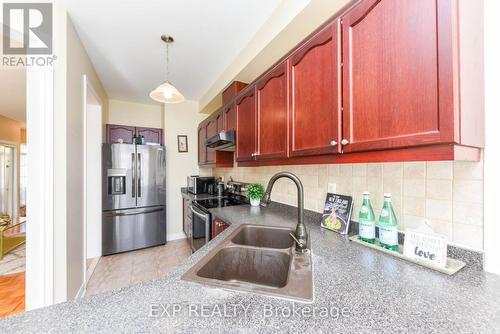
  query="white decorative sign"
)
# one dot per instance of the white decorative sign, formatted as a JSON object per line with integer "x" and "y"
{"x": 426, "y": 246}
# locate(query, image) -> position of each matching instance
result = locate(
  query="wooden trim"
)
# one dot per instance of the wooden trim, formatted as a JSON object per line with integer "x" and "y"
{"x": 448, "y": 71}
{"x": 422, "y": 153}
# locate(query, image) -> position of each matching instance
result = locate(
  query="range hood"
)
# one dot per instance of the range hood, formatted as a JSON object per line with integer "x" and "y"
{"x": 223, "y": 141}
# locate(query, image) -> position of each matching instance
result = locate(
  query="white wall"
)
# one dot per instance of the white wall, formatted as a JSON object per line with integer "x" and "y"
{"x": 78, "y": 65}
{"x": 492, "y": 154}
{"x": 93, "y": 180}
{"x": 180, "y": 119}
{"x": 135, "y": 114}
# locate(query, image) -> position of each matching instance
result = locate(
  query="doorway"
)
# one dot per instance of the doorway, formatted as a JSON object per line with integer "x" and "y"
{"x": 7, "y": 181}
{"x": 92, "y": 180}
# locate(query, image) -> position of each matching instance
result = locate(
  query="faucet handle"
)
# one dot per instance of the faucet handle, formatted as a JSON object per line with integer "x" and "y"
{"x": 296, "y": 240}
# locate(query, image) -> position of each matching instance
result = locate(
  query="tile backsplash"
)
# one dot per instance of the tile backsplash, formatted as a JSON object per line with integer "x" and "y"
{"x": 447, "y": 193}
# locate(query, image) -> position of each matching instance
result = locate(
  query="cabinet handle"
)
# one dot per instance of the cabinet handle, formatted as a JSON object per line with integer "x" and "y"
{"x": 344, "y": 142}
{"x": 333, "y": 143}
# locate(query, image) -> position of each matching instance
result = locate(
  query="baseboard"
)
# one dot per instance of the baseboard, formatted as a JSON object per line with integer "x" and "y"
{"x": 176, "y": 236}
{"x": 81, "y": 291}
{"x": 88, "y": 275}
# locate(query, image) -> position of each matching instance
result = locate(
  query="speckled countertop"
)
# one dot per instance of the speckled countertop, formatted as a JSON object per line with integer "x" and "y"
{"x": 357, "y": 290}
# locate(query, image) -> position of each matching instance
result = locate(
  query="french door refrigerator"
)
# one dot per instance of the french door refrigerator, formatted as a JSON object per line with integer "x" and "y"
{"x": 134, "y": 201}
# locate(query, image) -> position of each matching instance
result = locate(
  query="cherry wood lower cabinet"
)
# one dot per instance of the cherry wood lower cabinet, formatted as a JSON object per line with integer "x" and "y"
{"x": 315, "y": 107}
{"x": 246, "y": 126}
{"x": 272, "y": 114}
{"x": 218, "y": 226}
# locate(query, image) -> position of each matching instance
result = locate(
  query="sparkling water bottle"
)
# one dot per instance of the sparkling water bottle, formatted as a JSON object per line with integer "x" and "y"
{"x": 388, "y": 225}
{"x": 366, "y": 220}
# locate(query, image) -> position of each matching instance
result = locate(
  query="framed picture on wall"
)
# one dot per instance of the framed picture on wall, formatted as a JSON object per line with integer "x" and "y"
{"x": 182, "y": 143}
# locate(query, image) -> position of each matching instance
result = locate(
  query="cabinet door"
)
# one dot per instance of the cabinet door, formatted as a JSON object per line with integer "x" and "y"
{"x": 272, "y": 114}
{"x": 115, "y": 133}
{"x": 245, "y": 127}
{"x": 211, "y": 131}
{"x": 397, "y": 65}
{"x": 229, "y": 117}
{"x": 202, "y": 149}
{"x": 220, "y": 121}
{"x": 151, "y": 135}
{"x": 218, "y": 226}
{"x": 315, "y": 109}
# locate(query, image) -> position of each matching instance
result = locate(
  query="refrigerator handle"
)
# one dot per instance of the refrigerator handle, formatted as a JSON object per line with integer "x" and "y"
{"x": 139, "y": 176}
{"x": 133, "y": 174}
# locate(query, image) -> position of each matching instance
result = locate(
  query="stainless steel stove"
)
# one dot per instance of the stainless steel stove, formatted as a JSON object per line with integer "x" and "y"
{"x": 202, "y": 219}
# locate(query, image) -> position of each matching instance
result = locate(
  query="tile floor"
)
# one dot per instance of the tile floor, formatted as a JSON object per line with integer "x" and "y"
{"x": 14, "y": 261}
{"x": 12, "y": 288}
{"x": 121, "y": 270}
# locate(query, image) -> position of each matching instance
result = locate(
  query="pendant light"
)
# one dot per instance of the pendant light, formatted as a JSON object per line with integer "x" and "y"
{"x": 166, "y": 92}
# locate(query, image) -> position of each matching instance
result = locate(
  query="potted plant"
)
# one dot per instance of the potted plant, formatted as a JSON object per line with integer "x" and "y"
{"x": 255, "y": 192}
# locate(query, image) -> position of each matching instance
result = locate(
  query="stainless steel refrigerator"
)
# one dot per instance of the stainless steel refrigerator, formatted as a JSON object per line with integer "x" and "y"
{"x": 134, "y": 201}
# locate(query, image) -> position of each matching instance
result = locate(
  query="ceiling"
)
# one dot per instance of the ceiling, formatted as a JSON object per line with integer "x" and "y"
{"x": 13, "y": 94}
{"x": 122, "y": 38}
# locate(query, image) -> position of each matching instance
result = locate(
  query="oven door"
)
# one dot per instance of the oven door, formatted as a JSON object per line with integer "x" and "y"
{"x": 201, "y": 227}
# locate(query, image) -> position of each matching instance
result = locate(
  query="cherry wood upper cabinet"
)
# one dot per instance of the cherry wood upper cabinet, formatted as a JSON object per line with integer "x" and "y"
{"x": 272, "y": 114}
{"x": 117, "y": 133}
{"x": 229, "y": 112}
{"x": 151, "y": 135}
{"x": 219, "y": 119}
{"x": 245, "y": 126}
{"x": 315, "y": 107}
{"x": 398, "y": 74}
{"x": 202, "y": 149}
{"x": 211, "y": 131}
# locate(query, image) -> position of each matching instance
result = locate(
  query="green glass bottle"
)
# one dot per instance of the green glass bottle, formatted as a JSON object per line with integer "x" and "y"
{"x": 366, "y": 220}
{"x": 388, "y": 225}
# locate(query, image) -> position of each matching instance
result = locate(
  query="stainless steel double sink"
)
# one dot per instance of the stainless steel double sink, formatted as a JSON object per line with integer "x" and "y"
{"x": 259, "y": 259}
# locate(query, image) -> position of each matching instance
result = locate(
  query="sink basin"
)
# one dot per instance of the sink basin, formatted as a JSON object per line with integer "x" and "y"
{"x": 239, "y": 264}
{"x": 264, "y": 236}
{"x": 258, "y": 259}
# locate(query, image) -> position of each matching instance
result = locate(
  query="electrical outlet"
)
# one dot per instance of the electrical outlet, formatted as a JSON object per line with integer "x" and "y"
{"x": 332, "y": 187}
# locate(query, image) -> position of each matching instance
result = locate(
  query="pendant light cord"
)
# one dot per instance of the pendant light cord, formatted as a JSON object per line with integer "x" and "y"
{"x": 167, "y": 62}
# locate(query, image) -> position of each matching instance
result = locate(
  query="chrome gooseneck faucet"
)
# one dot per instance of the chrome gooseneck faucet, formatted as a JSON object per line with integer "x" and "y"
{"x": 300, "y": 235}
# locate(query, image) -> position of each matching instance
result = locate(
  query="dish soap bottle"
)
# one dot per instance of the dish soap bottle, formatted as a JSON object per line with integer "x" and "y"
{"x": 366, "y": 220}
{"x": 388, "y": 225}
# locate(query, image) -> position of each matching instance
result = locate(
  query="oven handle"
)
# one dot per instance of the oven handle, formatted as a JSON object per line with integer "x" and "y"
{"x": 200, "y": 214}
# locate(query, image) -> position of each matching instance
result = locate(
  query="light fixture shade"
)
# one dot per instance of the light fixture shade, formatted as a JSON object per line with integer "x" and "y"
{"x": 166, "y": 93}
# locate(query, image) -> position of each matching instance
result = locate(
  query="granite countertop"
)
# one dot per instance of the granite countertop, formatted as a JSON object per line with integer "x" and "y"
{"x": 357, "y": 290}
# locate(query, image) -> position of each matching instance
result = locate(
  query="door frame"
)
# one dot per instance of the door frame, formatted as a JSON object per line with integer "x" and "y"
{"x": 40, "y": 196}
{"x": 88, "y": 88}
{"x": 15, "y": 180}
{"x": 491, "y": 153}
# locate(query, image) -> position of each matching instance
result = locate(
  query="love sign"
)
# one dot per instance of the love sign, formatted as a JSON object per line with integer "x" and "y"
{"x": 426, "y": 247}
